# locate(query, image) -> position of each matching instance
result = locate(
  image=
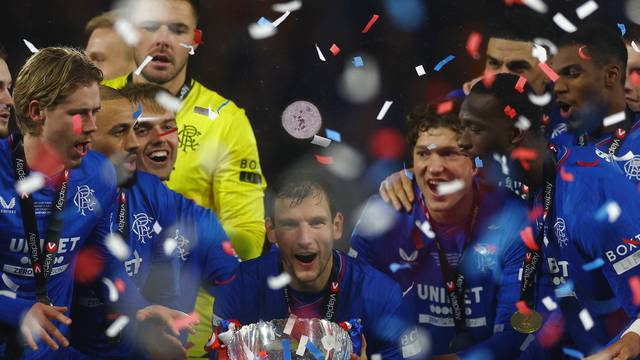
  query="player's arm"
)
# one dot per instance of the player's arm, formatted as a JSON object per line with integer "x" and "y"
{"x": 397, "y": 189}
{"x": 368, "y": 244}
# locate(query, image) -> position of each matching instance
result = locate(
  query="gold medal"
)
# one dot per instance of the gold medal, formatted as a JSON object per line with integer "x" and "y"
{"x": 526, "y": 324}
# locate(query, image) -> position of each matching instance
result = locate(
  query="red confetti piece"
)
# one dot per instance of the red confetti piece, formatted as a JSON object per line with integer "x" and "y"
{"x": 120, "y": 285}
{"x": 511, "y": 2}
{"x": 387, "y": 143}
{"x": 473, "y": 45}
{"x": 588, "y": 164}
{"x": 89, "y": 265}
{"x": 197, "y": 36}
{"x": 632, "y": 242}
{"x": 324, "y": 160}
{"x": 565, "y": 175}
{"x": 634, "y": 284}
{"x": 262, "y": 354}
{"x": 445, "y": 107}
{"x": 372, "y": 21}
{"x": 523, "y": 308}
{"x": 551, "y": 332}
{"x": 77, "y": 124}
{"x": 582, "y": 55}
{"x": 535, "y": 213}
{"x": 334, "y": 49}
{"x": 635, "y": 78}
{"x": 168, "y": 132}
{"x": 522, "y": 153}
{"x": 548, "y": 71}
{"x": 527, "y": 237}
{"x": 186, "y": 321}
{"x": 228, "y": 248}
{"x": 510, "y": 112}
{"x": 488, "y": 78}
{"x": 520, "y": 84}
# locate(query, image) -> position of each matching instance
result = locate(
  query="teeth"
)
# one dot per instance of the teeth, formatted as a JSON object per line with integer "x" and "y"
{"x": 159, "y": 153}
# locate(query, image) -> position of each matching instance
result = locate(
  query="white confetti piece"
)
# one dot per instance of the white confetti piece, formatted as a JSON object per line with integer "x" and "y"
{"x": 614, "y": 119}
{"x": 278, "y": 282}
{"x": 192, "y": 50}
{"x": 146, "y": 61}
{"x": 157, "y": 228}
{"x": 540, "y": 100}
{"x": 117, "y": 326}
{"x": 279, "y": 20}
{"x": 30, "y": 46}
{"x": 291, "y": 6}
{"x": 383, "y": 111}
{"x": 635, "y": 47}
{"x": 539, "y": 52}
{"x": 147, "y": 118}
{"x": 113, "y": 291}
{"x": 523, "y": 123}
{"x": 503, "y": 163}
{"x": 553, "y": 49}
{"x": 586, "y": 9}
{"x": 451, "y": 187}
{"x": 420, "y": 70}
{"x": 117, "y": 246}
{"x": 259, "y": 32}
{"x": 169, "y": 245}
{"x": 564, "y": 23}
{"x": 10, "y": 284}
{"x": 302, "y": 346}
{"x": 549, "y": 303}
{"x": 320, "y": 141}
{"x": 613, "y": 210}
{"x": 376, "y": 357}
{"x": 288, "y": 327}
{"x": 127, "y": 32}
{"x": 7, "y": 293}
{"x": 32, "y": 183}
{"x": 320, "y": 55}
{"x": 431, "y": 146}
{"x": 585, "y": 318}
{"x": 425, "y": 227}
{"x": 527, "y": 341}
{"x": 212, "y": 114}
{"x": 168, "y": 102}
{"x": 536, "y": 5}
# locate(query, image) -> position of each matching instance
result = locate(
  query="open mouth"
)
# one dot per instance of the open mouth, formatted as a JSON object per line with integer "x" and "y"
{"x": 162, "y": 59}
{"x": 82, "y": 148}
{"x": 159, "y": 156}
{"x": 433, "y": 186}
{"x": 566, "y": 109}
{"x": 305, "y": 258}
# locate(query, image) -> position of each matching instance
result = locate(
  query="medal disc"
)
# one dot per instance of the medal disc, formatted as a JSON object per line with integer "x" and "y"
{"x": 526, "y": 324}
{"x": 301, "y": 119}
{"x": 461, "y": 342}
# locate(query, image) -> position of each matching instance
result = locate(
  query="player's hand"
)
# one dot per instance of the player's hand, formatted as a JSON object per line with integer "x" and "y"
{"x": 466, "y": 87}
{"x": 161, "y": 345}
{"x": 628, "y": 347}
{"x": 398, "y": 190}
{"x": 363, "y": 353}
{"x": 164, "y": 316}
{"x": 36, "y": 324}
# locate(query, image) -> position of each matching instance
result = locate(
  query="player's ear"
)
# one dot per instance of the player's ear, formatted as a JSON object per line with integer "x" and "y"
{"x": 36, "y": 112}
{"x": 338, "y": 222}
{"x": 271, "y": 232}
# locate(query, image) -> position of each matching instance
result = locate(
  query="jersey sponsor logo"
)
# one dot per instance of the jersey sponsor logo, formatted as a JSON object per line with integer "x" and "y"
{"x": 8, "y": 207}
{"x": 408, "y": 258}
{"x": 559, "y": 270}
{"x": 438, "y": 294}
{"x": 624, "y": 256}
{"x": 620, "y": 133}
{"x": 335, "y": 287}
{"x": 451, "y": 285}
{"x": 187, "y": 138}
{"x": 486, "y": 259}
{"x": 64, "y": 245}
{"x": 51, "y": 247}
{"x": 28, "y": 271}
{"x": 560, "y": 229}
{"x": 133, "y": 266}
{"x": 141, "y": 226}
{"x": 448, "y": 321}
{"x": 84, "y": 199}
{"x": 632, "y": 168}
{"x": 250, "y": 177}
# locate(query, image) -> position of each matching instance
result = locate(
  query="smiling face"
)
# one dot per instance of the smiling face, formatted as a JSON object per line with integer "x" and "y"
{"x": 511, "y": 56}
{"x": 632, "y": 81}
{"x": 305, "y": 232}
{"x": 158, "y": 141}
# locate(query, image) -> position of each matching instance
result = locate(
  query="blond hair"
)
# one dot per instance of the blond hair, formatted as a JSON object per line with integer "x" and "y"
{"x": 104, "y": 20}
{"x": 50, "y": 76}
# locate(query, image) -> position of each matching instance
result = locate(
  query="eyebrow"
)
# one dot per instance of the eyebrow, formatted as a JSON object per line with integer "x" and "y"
{"x": 518, "y": 64}
{"x": 489, "y": 57}
{"x": 569, "y": 67}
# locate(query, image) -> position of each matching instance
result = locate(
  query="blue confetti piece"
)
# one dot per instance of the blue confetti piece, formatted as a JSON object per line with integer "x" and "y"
{"x": 573, "y": 353}
{"x": 264, "y": 22}
{"x": 395, "y": 267}
{"x": 444, "y": 62}
{"x": 357, "y": 61}
{"x": 314, "y": 351}
{"x": 221, "y": 106}
{"x": 407, "y": 173}
{"x": 565, "y": 289}
{"x": 286, "y": 349}
{"x": 138, "y": 112}
{"x": 623, "y": 29}
{"x": 478, "y": 162}
{"x": 333, "y": 135}
{"x": 597, "y": 263}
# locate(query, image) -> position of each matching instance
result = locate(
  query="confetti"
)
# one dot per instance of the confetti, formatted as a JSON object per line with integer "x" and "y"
{"x": 443, "y": 62}
{"x": 407, "y": 172}
{"x": 286, "y": 349}
{"x": 540, "y": 100}
{"x": 324, "y": 160}
{"x": 565, "y": 289}
{"x": 32, "y": 183}
{"x": 549, "y": 303}
{"x": 522, "y": 123}
{"x": 113, "y": 292}
{"x": 77, "y": 124}
{"x": 582, "y": 55}
{"x": 383, "y": 110}
{"x": 539, "y": 53}
{"x": 127, "y": 32}
{"x": 420, "y": 70}
{"x": 197, "y": 36}
{"x": 394, "y": 267}
{"x": 320, "y": 141}
{"x": 168, "y": 102}
{"x": 334, "y": 49}
{"x": 536, "y": 5}
{"x": 192, "y": 50}
{"x": 610, "y": 210}
{"x": 623, "y": 29}
{"x": 289, "y": 6}
{"x": 510, "y": 112}
{"x": 138, "y": 112}
{"x": 30, "y": 46}
{"x": 520, "y": 84}
{"x": 376, "y": 357}
{"x": 425, "y": 227}
{"x": 488, "y": 77}
{"x": 586, "y": 9}
{"x": 281, "y": 19}
{"x": 613, "y": 119}
{"x": 573, "y": 353}
{"x": 288, "y": 327}
{"x": 564, "y": 23}
{"x": 372, "y": 21}
{"x": 527, "y": 341}
{"x": 302, "y": 345}
{"x": 264, "y": 22}
{"x": 527, "y": 238}
{"x": 117, "y": 326}
{"x": 634, "y": 284}
{"x": 9, "y": 294}
{"x": 117, "y": 246}
{"x": 278, "y": 282}
{"x": 146, "y": 61}
{"x": 89, "y": 265}
{"x": 548, "y": 71}
{"x": 445, "y": 107}
{"x": 473, "y": 45}
{"x": 186, "y": 321}
{"x": 357, "y": 61}
{"x": 157, "y": 228}
{"x": 333, "y": 135}
{"x": 259, "y": 32}
{"x": 228, "y": 248}
{"x": 635, "y": 47}
{"x": 9, "y": 283}
{"x": 478, "y": 162}
{"x": 320, "y": 55}
{"x": 565, "y": 175}
{"x": 314, "y": 351}
{"x": 451, "y": 187}
{"x": 522, "y": 307}
{"x": 595, "y": 264}
{"x": 167, "y": 132}
{"x": 169, "y": 245}
{"x": 522, "y": 153}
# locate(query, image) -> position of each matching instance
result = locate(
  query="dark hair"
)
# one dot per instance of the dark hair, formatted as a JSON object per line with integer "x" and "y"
{"x": 632, "y": 34}
{"x": 298, "y": 186}
{"x": 503, "y": 90}
{"x": 603, "y": 44}
{"x": 3, "y": 53}
{"x": 425, "y": 117}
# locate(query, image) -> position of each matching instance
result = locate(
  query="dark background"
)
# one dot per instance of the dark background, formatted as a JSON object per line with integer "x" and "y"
{"x": 264, "y": 76}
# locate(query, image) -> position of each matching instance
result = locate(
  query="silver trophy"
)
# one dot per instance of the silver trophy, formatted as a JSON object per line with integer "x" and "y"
{"x": 313, "y": 339}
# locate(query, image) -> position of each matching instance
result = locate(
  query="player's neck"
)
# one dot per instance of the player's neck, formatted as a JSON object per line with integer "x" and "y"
{"x": 34, "y": 148}
{"x": 317, "y": 285}
{"x": 457, "y": 215}
{"x": 173, "y": 86}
